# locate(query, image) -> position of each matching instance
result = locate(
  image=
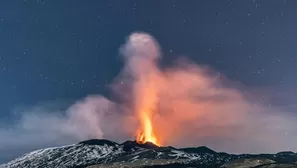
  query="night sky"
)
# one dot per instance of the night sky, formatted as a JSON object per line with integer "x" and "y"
{"x": 53, "y": 50}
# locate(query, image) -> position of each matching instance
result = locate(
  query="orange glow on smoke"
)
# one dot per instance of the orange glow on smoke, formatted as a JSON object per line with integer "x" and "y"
{"x": 171, "y": 104}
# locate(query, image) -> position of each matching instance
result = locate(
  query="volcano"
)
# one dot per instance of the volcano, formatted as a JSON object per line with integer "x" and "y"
{"x": 101, "y": 153}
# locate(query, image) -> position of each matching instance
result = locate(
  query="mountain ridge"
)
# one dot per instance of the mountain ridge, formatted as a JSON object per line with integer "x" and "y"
{"x": 107, "y": 153}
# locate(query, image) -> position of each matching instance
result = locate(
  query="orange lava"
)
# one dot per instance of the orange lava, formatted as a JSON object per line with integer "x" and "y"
{"x": 146, "y": 133}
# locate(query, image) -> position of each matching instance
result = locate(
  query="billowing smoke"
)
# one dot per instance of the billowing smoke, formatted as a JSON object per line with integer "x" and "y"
{"x": 190, "y": 105}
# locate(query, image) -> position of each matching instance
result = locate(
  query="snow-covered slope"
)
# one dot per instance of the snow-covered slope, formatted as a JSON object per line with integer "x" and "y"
{"x": 104, "y": 152}
{"x": 66, "y": 156}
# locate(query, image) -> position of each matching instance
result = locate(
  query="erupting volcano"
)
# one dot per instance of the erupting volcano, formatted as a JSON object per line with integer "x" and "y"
{"x": 142, "y": 52}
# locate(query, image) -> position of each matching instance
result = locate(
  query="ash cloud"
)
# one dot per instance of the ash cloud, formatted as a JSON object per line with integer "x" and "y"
{"x": 190, "y": 104}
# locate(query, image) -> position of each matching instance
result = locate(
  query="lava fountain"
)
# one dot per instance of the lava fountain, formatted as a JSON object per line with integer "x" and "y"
{"x": 145, "y": 132}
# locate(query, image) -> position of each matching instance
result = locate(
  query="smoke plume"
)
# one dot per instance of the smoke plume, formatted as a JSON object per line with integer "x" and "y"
{"x": 190, "y": 104}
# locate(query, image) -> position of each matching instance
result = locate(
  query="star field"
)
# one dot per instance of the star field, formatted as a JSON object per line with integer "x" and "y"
{"x": 52, "y": 50}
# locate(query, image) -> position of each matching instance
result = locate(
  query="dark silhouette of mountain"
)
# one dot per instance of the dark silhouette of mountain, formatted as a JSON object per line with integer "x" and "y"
{"x": 98, "y": 142}
{"x": 200, "y": 149}
{"x": 97, "y": 153}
